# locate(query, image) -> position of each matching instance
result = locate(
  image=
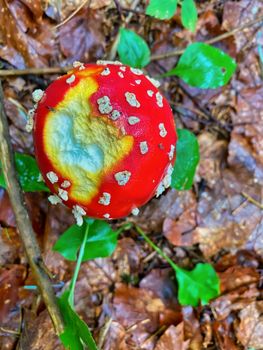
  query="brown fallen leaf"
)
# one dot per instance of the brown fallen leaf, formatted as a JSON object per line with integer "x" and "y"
{"x": 38, "y": 333}
{"x": 81, "y": 39}
{"x": 57, "y": 220}
{"x": 10, "y": 281}
{"x": 10, "y": 246}
{"x": 141, "y": 313}
{"x": 237, "y": 276}
{"x": 7, "y": 217}
{"x": 160, "y": 283}
{"x": 27, "y": 37}
{"x": 173, "y": 339}
{"x": 171, "y": 204}
{"x": 224, "y": 336}
{"x": 246, "y": 146}
{"x": 212, "y": 158}
{"x": 115, "y": 338}
{"x": 250, "y": 329}
{"x": 178, "y": 223}
{"x": 234, "y": 301}
{"x": 225, "y": 220}
{"x": 192, "y": 329}
{"x": 128, "y": 256}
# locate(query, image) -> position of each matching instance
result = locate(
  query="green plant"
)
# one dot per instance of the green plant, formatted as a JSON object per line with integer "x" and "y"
{"x": 28, "y": 174}
{"x": 166, "y": 9}
{"x": 187, "y": 159}
{"x": 94, "y": 239}
{"x": 200, "y": 284}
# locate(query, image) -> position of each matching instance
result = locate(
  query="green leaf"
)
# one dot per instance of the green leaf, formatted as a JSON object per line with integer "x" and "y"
{"x": 28, "y": 174}
{"x": 187, "y": 158}
{"x": 204, "y": 66}
{"x": 132, "y": 49}
{"x": 76, "y": 331}
{"x": 202, "y": 283}
{"x": 101, "y": 242}
{"x": 189, "y": 14}
{"x": 164, "y": 9}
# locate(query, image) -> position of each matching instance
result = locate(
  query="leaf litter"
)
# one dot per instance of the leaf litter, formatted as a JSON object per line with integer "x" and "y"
{"x": 132, "y": 295}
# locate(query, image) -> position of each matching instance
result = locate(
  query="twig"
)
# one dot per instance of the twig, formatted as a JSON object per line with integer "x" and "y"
{"x": 112, "y": 55}
{"x": 252, "y": 200}
{"x": 210, "y": 41}
{"x": 23, "y": 223}
{"x": 35, "y": 71}
{"x": 103, "y": 332}
{"x": 113, "y": 50}
{"x": 72, "y": 14}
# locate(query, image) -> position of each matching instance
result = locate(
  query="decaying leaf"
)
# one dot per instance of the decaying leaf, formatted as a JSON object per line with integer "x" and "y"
{"x": 250, "y": 329}
{"x": 27, "y": 38}
{"x": 173, "y": 339}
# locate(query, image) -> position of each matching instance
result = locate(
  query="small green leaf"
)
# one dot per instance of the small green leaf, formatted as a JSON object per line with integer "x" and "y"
{"x": 28, "y": 174}
{"x": 101, "y": 242}
{"x": 204, "y": 66}
{"x": 189, "y": 14}
{"x": 76, "y": 331}
{"x": 187, "y": 158}
{"x": 132, "y": 49}
{"x": 164, "y": 9}
{"x": 202, "y": 283}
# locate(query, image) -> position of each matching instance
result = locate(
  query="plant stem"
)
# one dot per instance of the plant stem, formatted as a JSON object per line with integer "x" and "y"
{"x": 24, "y": 225}
{"x": 157, "y": 249}
{"x": 77, "y": 268}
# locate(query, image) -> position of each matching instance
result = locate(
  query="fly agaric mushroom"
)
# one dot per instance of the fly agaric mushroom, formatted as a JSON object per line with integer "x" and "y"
{"x": 104, "y": 140}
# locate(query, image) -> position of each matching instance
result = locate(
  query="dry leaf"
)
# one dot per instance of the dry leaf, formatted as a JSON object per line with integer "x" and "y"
{"x": 250, "y": 329}
{"x": 173, "y": 339}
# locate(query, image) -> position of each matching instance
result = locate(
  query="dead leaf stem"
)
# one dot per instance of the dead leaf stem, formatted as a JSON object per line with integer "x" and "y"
{"x": 252, "y": 200}
{"x": 23, "y": 222}
{"x": 211, "y": 41}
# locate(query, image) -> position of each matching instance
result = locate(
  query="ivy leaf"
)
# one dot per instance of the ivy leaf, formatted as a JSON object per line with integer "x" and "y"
{"x": 202, "y": 283}
{"x": 189, "y": 14}
{"x": 164, "y": 9}
{"x": 132, "y": 49}
{"x": 101, "y": 242}
{"x": 28, "y": 174}
{"x": 204, "y": 66}
{"x": 76, "y": 331}
{"x": 187, "y": 158}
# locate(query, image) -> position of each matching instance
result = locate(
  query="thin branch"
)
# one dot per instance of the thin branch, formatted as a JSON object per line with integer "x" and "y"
{"x": 210, "y": 41}
{"x": 72, "y": 14}
{"x": 35, "y": 71}
{"x": 252, "y": 200}
{"x": 23, "y": 223}
{"x": 113, "y": 50}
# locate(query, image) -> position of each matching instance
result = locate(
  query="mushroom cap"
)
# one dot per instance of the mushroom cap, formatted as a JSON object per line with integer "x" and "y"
{"x": 104, "y": 139}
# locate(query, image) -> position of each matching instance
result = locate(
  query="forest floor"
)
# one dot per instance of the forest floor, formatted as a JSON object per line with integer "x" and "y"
{"x": 130, "y": 299}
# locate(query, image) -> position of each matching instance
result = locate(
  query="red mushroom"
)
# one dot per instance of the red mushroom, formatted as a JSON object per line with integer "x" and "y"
{"x": 104, "y": 140}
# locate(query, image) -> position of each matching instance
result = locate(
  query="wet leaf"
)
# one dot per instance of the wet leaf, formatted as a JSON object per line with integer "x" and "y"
{"x": 200, "y": 284}
{"x": 76, "y": 331}
{"x": 187, "y": 158}
{"x": 204, "y": 66}
{"x": 189, "y": 14}
{"x": 164, "y": 9}
{"x": 28, "y": 174}
{"x": 132, "y": 49}
{"x": 101, "y": 242}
